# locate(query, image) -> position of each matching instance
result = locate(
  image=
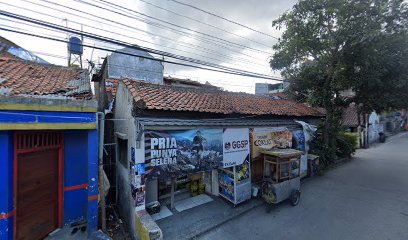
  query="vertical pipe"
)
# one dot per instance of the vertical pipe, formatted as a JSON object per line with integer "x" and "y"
{"x": 101, "y": 130}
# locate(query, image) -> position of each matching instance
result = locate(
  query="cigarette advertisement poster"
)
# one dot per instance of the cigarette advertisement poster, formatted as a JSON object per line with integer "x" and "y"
{"x": 236, "y": 146}
{"x": 267, "y": 138}
{"x": 180, "y": 152}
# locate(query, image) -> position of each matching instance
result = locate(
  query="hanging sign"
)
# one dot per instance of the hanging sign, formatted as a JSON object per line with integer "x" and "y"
{"x": 267, "y": 138}
{"x": 236, "y": 146}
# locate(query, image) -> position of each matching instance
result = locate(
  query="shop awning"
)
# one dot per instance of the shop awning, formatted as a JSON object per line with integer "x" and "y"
{"x": 168, "y": 123}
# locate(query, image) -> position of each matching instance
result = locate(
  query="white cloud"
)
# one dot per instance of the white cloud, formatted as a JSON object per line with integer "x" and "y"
{"x": 257, "y": 14}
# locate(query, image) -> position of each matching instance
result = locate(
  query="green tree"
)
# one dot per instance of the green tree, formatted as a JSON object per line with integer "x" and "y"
{"x": 331, "y": 46}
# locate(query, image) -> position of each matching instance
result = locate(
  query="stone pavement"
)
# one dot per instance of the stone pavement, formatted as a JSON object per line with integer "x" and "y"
{"x": 195, "y": 221}
{"x": 366, "y": 198}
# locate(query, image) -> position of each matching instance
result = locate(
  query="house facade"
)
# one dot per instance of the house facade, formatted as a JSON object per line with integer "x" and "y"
{"x": 49, "y": 150}
{"x": 159, "y": 122}
{"x": 176, "y": 139}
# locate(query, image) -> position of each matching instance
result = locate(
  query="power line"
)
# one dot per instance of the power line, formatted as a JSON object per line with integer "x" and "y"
{"x": 198, "y": 79}
{"x": 150, "y": 58}
{"x": 201, "y": 22}
{"x": 119, "y": 34}
{"x": 22, "y": 29}
{"x": 160, "y": 20}
{"x": 142, "y": 40}
{"x": 125, "y": 44}
{"x": 223, "y": 18}
{"x": 128, "y": 27}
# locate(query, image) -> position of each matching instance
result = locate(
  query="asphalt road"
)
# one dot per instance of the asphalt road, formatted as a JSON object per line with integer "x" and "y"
{"x": 366, "y": 198}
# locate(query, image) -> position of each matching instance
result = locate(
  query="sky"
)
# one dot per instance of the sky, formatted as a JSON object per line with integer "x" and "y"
{"x": 221, "y": 43}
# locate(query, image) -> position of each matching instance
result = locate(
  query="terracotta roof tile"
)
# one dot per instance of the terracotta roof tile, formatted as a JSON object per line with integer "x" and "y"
{"x": 161, "y": 97}
{"x": 18, "y": 77}
{"x": 350, "y": 116}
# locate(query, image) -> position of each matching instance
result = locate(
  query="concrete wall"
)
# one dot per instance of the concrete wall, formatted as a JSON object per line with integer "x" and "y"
{"x": 138, "y": 68}
{"x": 125, "y": 128}
{"x": 261, "y": 89}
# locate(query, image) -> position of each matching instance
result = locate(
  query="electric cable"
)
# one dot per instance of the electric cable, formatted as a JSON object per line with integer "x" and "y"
{"x": 150, "y": 58}
{"x": 128, "y": 27}
{"x": 157, "y": 19}
{"x": 142, "y": 40}
{"x": 125, "y": 44}
{"x": 223, "y": 18}
{"x": 201, "y": 22}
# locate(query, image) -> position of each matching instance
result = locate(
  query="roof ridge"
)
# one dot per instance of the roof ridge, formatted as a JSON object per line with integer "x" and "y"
{"x": 161, "y": 97}
{"x": 189, "y": 89}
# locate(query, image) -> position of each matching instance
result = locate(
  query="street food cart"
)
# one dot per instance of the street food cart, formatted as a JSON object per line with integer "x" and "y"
{"x": 281, "y": 175}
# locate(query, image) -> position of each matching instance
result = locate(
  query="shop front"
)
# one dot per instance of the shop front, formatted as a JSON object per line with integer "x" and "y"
{"x": 185, "y": 168}
{"x": 179, "y": 148}
{"x": 190, "y": 160}
{"x": 180, "y": 164}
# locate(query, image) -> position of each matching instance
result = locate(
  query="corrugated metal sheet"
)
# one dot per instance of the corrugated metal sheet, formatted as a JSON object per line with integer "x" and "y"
{"x": 81, "y": 85}
{"x": 155, "y": 123}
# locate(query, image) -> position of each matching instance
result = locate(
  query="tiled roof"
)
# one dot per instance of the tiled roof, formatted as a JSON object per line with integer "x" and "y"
{"x": 161, "y": 97}
{"x": 111, "y": 86}
{"x": 24, "y": 78}
{"x": 350, "y": 116}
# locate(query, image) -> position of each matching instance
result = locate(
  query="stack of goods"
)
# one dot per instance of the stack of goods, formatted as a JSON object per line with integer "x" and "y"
{"x": 197, "y": 187}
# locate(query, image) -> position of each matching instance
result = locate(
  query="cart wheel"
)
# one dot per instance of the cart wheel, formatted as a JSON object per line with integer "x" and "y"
{"x": 295, "y": 197}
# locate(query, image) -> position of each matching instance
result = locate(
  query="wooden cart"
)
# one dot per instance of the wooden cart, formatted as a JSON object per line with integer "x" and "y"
{"x": 281, "y": 175}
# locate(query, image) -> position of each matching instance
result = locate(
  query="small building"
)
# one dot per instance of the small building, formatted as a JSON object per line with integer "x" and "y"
{"x": 267, "y": 88}
{"x": 359, "y": 128}
{"x": 157, "y": 122}
{"x": 171, "y": 138}
{"x": 49, "y": 150}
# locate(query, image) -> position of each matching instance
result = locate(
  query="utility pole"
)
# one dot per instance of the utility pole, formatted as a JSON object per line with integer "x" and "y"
{"x": 67, "y": 39}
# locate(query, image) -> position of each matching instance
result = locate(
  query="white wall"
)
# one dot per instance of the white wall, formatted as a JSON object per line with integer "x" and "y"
{"x": 375, "y": 127}
{"x": 124, "y": 124}
{"x": 132, "y": 67}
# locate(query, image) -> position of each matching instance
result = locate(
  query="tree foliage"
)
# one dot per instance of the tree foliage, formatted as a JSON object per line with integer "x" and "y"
{"x": 331, "y": 46}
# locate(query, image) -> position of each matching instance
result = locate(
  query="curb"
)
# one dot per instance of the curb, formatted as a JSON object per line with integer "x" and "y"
{"x": 196, "y": 235}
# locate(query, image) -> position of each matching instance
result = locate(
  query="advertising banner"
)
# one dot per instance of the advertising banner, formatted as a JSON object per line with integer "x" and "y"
{"x": 236, "y": 146}
{"x": 179, "y": 152}
{"x": 267, "y": 138}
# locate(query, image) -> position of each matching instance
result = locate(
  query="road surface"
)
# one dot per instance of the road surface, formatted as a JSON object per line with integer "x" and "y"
{"x": 366, "y": 198}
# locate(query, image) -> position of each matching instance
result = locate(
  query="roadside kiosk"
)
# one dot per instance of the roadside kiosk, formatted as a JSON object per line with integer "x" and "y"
{"x": 281, "y": 175}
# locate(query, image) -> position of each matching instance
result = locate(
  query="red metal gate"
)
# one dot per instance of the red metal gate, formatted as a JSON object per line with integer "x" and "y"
{"x": 38, "y": 183}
